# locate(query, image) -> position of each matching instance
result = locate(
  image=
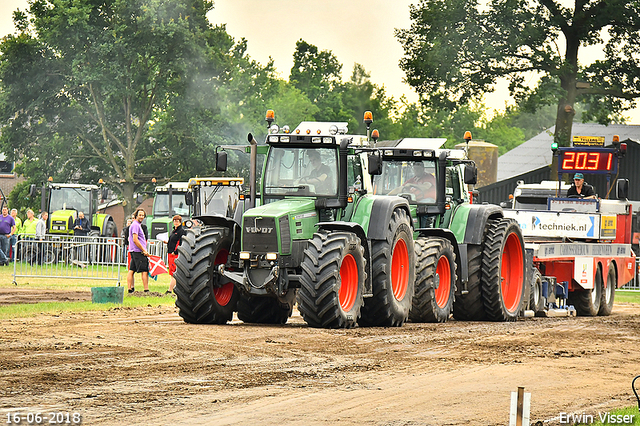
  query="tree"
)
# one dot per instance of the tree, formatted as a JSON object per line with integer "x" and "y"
{"x": 124, "y": 90}
{"x": 456, "y": 50}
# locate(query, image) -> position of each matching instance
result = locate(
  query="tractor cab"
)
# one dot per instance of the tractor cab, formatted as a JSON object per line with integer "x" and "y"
{"x": 168, "y": 200}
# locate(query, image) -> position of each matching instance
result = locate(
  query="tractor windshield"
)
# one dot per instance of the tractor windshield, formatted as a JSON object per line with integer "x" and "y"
{"x": 220, "y": 200}
{"x": 70, "y": 199}
{"x": 161, "y": 204}
{"x": 309, "y": 171}
{"x": 414, "y": 180}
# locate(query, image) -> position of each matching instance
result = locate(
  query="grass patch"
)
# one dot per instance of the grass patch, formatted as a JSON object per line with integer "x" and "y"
{"x": 627, "y": 296}
{"x": 22, "y": 310}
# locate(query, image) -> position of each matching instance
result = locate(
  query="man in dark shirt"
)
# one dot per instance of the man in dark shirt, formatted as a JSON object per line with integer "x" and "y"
{"x": 580, "y": 189}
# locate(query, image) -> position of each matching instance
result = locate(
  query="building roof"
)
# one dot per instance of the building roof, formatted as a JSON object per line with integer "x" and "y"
{"x": 536, "y": 152}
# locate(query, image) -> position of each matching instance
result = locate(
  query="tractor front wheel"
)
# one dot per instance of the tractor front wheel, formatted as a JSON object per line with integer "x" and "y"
{"x": 199, "y": 301}
{"x": 435, "y": 280}
{"x": 332, "y": 281}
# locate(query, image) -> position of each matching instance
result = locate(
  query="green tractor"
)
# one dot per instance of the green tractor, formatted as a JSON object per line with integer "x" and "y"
{"x": 469, "y": 258}
{"x": 346, "y": 256}
{"x": 63, "y": 201}
{"x": 168, "y": 201}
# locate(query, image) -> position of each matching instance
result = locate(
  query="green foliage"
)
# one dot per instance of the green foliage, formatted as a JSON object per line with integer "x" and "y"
{"x": 456, "y": 50}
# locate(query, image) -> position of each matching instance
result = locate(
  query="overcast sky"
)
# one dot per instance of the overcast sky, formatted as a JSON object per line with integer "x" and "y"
{"x": 356, "y": 31}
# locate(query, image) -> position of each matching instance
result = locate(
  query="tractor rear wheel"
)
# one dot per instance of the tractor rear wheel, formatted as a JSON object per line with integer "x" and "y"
{"x": 198, "y": 300}
{"x": 587, "y": 301}
{"x": 469, "y": 306}
{"x": 266, "y": 309}
{"x": 393, "y": 275}
{"x": 608, "y": 294}
{"x": 332, "y": 281}
{"x": 503, "y": 283}
{"x": 435, "y": 280}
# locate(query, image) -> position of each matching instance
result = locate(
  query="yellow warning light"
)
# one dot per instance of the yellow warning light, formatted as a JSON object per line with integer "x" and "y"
{"x": 375, "y": 134}
{"x": 100, "y": 181}
{"x": 368, "y": 117}
{"x": 467, "y": 135}
{"x": 308, "y": 131}
{"x": 270, "y": 115}
{"x": 153, "y": 180}
{"x": 616, "y": 138}
{"x": 318, "y": 131}
{"x": 50, "y": 179}
{"x": 297, "y": 131}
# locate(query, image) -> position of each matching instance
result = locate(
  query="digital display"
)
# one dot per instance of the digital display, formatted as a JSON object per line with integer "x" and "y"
{"x": 601, "y": 160}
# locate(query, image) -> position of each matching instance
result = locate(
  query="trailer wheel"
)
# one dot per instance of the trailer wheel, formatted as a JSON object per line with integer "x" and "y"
{"x": 469, "y": 306}
{"x": 198, "y": 301}
{"x": 587, "y": 302}
{"x": 536, "y": 300}
{"x": 265, "y": 309}
{"x": 333, "y": 276}
{"x": 608, "y": 294}
{"x": 435, "y": 280}
{"x": 503, "y": 270}
{"x": 393, "y": 276}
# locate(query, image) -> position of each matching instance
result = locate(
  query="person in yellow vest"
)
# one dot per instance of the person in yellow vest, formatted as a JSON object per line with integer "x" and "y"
{"x": 29, "y": 225}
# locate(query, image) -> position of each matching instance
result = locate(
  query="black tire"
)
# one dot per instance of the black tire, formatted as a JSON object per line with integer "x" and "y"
{"x": 587, "y": 301}
{"x": 198, "y": 301}
{"x": 609, "y": 293}
{"x": 469, "y": 306}
{"x": 332, "y": 281}
{"x": 503, "y": 279}
{"x": 536, "y": 300}
{"x": 393, "y": 263}
{"x": 435, "y": 267}
{"x": 265, "y": 309}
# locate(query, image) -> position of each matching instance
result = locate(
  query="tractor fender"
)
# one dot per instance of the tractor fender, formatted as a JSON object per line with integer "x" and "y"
{"x": 222, "y": 222}
{"x": 381, "y": 211}
{"x": 479, "y": 214}
{"x": 102, "y": 222}
{"x": 359, "y": 231}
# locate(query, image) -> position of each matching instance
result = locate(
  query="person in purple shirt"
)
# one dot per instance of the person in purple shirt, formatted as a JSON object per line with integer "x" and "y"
{"x": 7, "y": 227}
{"x": 138, "y": 252}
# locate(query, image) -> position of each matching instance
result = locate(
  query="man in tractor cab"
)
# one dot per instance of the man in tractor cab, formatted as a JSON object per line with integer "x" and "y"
{"x": 422, "y": 184}
{"x": 319, "y": 175}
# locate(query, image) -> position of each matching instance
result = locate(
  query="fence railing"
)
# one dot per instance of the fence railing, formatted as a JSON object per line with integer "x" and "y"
{"x": 97, "y": 258}
{"x": 634, "y": 284}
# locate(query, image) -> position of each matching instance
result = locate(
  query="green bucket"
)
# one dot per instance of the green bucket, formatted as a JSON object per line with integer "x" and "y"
{"x": 107, "y": 294}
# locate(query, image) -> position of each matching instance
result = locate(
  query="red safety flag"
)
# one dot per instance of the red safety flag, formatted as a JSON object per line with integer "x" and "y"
{"x": 157, "y": 266}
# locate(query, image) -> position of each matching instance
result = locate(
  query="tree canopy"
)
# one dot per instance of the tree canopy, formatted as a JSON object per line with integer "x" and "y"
{"x": 456, "y": 50}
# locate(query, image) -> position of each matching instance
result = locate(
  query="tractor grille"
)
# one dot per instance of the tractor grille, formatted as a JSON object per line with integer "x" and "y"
{"x": 157, "y": 228}
{"x": 260, "y": 235}
{"x": 285, "y": 234}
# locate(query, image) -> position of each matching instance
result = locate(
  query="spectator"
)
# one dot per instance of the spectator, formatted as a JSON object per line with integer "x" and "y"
{"x": 125, "y": 238}
{"x": 81, "y": 229}
{"x": 172, "y": 248}
{"x": 138, "y": 252}
{"x": 14, "y": 235}
{"x": 29, "y": 224}
{"x": 41, "y": 231}
{"x": 7, "y": 228}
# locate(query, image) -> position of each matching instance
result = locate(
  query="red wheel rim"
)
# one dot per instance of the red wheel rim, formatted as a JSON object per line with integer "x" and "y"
{"x": 223, "y": 294}
{"x": 400, "y": 270}
{"x": 348, "y": 283}
{"x": 511, "y": 273}
{"x": 443, "y": 270}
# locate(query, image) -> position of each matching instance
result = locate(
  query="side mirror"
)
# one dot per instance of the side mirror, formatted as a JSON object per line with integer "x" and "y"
{"x": 139, "y": 199}
{"x": 374, "y": 164}
{"x": 188, "y": 198}
{"x": 32, "y": 190}
{"x": 622, "y": 189}
{"x": 221, "y": 161}
{"x": 470, "y": 174}
{"x": 104, "y": 193}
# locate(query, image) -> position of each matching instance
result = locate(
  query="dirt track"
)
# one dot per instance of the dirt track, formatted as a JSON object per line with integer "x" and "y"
{"x": 145, "y": 366}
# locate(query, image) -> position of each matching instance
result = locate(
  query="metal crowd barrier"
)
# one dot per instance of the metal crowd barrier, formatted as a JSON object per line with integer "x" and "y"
{"x": 96, "y": 258}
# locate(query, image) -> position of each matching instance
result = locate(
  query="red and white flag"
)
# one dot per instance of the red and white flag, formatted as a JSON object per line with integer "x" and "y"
{"x": 157, "y": 266}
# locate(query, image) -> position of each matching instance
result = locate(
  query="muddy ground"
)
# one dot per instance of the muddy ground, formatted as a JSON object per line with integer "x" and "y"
{"x": 146, "y": 366}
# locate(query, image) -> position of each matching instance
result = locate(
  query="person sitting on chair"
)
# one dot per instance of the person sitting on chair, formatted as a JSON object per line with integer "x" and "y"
{"x": 580, "y": 188}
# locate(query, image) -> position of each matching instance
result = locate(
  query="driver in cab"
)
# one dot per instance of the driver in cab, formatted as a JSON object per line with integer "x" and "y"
{"x": 319, "y": 175}
{"x": 422, "y": 185}
{"x": 580, "y": 188}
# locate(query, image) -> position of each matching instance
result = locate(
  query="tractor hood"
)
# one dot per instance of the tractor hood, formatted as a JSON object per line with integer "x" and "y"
{"x": 61, "y": 221}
